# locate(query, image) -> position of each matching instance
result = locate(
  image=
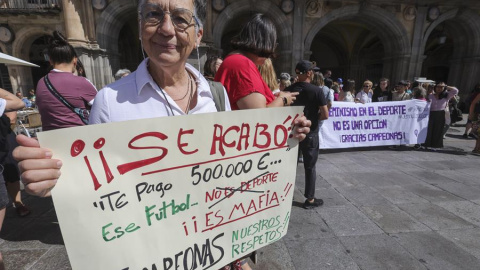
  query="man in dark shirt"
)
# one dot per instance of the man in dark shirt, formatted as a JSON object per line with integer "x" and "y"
{"x": 316, "y": 109}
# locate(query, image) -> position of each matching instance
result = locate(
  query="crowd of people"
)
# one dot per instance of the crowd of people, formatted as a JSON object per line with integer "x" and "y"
{"x": 164, "y": 84}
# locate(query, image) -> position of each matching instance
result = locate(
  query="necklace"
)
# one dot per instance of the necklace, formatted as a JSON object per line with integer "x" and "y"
{"x": 190, "y": 80}
{"x": 188, "y": 88}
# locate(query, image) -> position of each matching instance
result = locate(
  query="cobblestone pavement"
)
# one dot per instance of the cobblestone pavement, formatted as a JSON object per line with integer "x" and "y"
{"x": 384, "y": 209}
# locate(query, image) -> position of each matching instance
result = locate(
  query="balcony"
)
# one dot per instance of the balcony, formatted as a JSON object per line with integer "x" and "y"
{"x": 30, "y": 6}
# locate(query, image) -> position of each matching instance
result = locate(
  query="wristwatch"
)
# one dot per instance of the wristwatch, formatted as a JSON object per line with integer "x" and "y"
{"x": 285, "y": 101}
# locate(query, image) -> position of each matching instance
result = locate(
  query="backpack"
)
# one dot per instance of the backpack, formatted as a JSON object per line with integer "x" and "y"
{"x": 218, "y": 94}
{"x": 5, "y": 130}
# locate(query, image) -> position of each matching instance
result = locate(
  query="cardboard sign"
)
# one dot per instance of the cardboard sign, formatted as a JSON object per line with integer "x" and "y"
{"x": 183, "y": 192}
{"x": 374, "y": 124}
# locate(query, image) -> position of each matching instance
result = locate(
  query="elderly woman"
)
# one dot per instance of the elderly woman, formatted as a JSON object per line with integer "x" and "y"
{"x": 239, "y": 74}
{"x": 436, "y": 122}
{"x": 365, "y": 96}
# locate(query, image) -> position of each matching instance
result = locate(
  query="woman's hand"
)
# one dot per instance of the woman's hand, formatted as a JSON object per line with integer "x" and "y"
{"x": 290, "y": 96}
{"x": 302, "y": 127}
{"x": 39, "y": 172}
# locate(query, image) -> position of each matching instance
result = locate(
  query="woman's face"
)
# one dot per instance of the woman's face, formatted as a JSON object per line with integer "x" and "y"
{"x": 367, "y": 87}
{"x": 167, "y": 44}
{"x": 383, "y": 85}
{"x": 439, "y": 88}
{"x": 218, "y": 63}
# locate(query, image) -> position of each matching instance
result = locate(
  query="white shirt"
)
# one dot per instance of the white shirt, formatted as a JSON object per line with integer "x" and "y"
{"x": 348, "y": 97}
{"x": 3, "y": 105}
{"x": 364, "y": 97}
{"x": 137, "y": 96}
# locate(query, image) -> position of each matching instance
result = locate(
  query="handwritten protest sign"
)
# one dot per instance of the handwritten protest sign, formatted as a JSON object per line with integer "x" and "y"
{"x": 183, "y": 192}
{"x": 373, "y": 124}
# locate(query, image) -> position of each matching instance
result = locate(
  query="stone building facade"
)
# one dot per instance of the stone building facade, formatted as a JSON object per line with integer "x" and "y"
{"x": 358, "y": 39}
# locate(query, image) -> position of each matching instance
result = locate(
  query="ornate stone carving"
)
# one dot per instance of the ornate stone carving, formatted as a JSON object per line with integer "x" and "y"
{"x": 409, "y": 13}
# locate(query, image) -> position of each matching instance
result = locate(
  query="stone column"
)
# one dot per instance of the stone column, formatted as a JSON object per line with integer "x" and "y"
{"x": 415, "y": 67}
{"x": 397, "y": 67}
{"x": 73, "y": 23}
{"x": 298, "y": 50}
{"x": 463, "y": 74}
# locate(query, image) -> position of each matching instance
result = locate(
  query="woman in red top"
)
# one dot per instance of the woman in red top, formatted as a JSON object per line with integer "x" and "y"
{"x": 239, "y": 73}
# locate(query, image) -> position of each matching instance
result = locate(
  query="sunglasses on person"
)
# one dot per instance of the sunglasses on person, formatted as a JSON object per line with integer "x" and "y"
{"x": 181, "y": 17}
{"x": 366, "y": 86}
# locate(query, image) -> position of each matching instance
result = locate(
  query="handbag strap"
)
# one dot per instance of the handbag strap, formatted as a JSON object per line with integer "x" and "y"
{"x": 54, "y": 92}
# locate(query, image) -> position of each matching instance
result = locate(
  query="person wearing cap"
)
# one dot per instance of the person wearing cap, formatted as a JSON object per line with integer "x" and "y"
{"x": 340, "y": 83}
{"x": 401, "y": 93}
{"x": 315, "y": 109}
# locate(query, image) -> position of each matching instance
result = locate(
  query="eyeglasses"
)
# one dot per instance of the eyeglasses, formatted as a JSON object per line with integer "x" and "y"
{"x": 366, "y": 86}
{"x": 153, "y": 15}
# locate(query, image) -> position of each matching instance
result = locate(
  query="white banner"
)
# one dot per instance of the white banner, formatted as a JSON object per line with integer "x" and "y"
{"x": 183, "y": 192}
{"x": 373, "y": 124}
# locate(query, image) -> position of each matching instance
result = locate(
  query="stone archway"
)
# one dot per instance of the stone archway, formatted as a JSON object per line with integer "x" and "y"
{"x": 284, "y": 29}
{"x": 109, "y": 26}
{"x": 4, "y": 75}
{"x": 464, "y": 64}
{"x": 390, "y": 30}
{"x": 21, "y": 77}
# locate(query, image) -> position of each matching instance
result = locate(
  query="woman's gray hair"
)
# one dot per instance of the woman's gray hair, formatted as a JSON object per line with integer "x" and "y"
{"x": 199, "y": 11}
{"x": 121, "y": 72}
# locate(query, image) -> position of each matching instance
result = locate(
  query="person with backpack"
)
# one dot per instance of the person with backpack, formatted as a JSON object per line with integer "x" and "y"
{"x": 63, "y": 99}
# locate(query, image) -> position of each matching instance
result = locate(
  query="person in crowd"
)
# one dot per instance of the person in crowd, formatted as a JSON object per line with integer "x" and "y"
{"x": 409, "y": 88}
{"x": 32, "y": 97}
{"x": 381, "y": 92}
{"x": 327, "y": 74}
{"x": 365, "y": 96}
{"x": 268, "y": 75}
{"x": 243, "y": 82}
{"x": 401, "y": 92}
{"x": 163, "y": 85}
{"x": 60, "y": 85}
{"x": 420, "y": 93}
{"x": 239, "y": 74}
{"x": 468, "y": 127}
{"x": 347, "y": 93}
{"x": 26, "y": 101}
{"x": 327, "y": 92}
{"x": 436, "y": 122}
{"x": 329, "y": 83}
{"x": 473, "y": 117}
{"x": 122, "y": 73}
{"x": 450, "y": 118}
{"x": 79, "y": 68}
{"x": 430, "y": 89}
{"x": 340, "y": 83}
{"x": 336, "y": 91}
{"x": 211, "y": 66}
{"x": 315, "y": 109}
{"x": 10, "y": 166}
{"x": 8, "y": 102}
{"x": 284, "y": 81}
